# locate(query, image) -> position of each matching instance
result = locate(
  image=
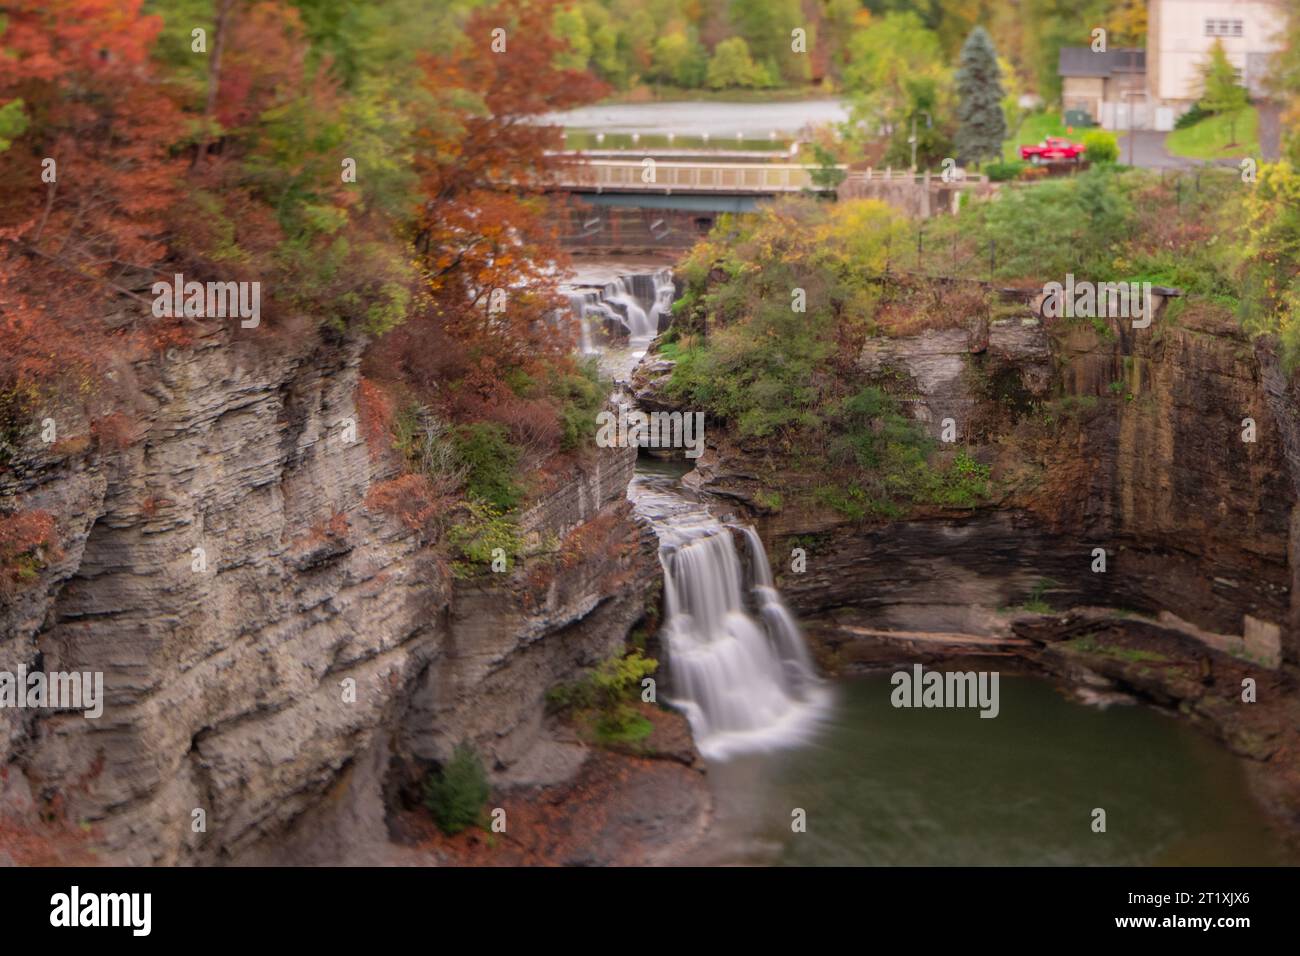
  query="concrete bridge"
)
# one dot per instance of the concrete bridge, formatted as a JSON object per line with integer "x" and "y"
{"x": 647, "y": 176}
{"x": 644, "y": 202}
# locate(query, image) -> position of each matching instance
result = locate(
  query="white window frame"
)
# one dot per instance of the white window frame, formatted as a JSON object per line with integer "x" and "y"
{"x": 1234, "y": 29}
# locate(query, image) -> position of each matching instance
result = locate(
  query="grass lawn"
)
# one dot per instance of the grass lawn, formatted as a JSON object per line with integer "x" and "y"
{"x": 1213, "y": 138}
{"x": 1035, "y": 128}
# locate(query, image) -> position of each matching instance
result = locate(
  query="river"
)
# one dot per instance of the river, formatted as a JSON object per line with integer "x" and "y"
{"x": 690, "y": 124}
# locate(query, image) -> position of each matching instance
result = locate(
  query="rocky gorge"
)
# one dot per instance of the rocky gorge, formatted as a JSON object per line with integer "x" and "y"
{"x": 281, "y": 660}
{"x": 1140, "y": 539}
{"x": 297, "y": 688}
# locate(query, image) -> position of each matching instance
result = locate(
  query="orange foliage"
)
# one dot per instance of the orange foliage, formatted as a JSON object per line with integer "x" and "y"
{"x": 486, "y": 227}
{"x": 68, "y": 248}
{"x": 113, "y": 432}
{"x": 410, "y": 497}
{"x": 28, "y": 540}
{"x": 375, "y": 410}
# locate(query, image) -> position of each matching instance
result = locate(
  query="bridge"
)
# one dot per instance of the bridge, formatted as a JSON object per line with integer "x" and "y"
{"x": 649, "y": 176}
{"x": 637, "y": 202}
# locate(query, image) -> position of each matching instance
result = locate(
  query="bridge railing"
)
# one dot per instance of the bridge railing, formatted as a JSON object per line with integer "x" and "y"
{"x": 927, "y": 177}
{"x": 639, "y": 176}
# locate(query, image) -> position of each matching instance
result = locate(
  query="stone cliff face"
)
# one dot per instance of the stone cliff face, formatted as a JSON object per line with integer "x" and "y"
{"x": 279, "y": 675}
{"x": 1122, "y": 439}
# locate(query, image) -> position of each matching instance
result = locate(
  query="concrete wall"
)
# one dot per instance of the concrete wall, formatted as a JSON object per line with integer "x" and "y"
{"x": 916, "y": 199}
{"x": 587, "y": 227}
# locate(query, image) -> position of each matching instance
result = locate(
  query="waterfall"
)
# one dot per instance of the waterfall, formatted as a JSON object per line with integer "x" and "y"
{"x": 581, "y": 304}
{"x": 639, "y": 329}
{"x": 664, "y": 293}
{"x": 635, "y": 305}
{"x": 739, "y": 667}
{"x": 737, "y": 664}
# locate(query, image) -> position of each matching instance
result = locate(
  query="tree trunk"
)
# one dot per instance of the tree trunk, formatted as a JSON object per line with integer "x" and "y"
{"x": 224, "y": 10}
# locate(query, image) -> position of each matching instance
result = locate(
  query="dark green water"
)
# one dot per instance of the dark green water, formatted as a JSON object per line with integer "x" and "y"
{"x": 886, "y": 786}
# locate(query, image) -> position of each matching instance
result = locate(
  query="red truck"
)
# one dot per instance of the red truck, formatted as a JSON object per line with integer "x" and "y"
{"x": 1054, "y": 149}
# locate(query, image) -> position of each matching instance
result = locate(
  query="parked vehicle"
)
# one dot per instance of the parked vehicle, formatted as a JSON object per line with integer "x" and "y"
{"x": 1054, "y": 149}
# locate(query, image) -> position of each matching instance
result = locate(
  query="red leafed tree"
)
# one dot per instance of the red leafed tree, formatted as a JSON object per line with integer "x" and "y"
{"x": 88, "y": 183}
{"x": 28, "y": 539}
{"x": 485, "y": 239}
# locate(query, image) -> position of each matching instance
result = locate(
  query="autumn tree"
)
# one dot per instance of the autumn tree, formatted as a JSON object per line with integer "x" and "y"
{"x": 483, "y": 343}
{"x": 90, "y": 177}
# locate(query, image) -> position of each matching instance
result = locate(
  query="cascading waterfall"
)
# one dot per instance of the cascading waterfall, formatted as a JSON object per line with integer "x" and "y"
{"x": 639, "y": 329}
{"x": 664, "y": 293}
{"x": 737, "y": 662}
{"x": 739, "y": 667}
{"x": 637, "y": 305}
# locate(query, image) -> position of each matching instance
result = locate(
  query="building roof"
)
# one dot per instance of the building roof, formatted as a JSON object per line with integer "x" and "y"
{"x": 1082, "y": 61}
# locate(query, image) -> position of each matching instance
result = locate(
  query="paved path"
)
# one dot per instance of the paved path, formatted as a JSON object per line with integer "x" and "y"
{"x": 1270, "y": 130}
{"x": 1148, "y": 151}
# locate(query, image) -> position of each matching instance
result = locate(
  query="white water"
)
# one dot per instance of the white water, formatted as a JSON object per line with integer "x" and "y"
{"x": 639, "y": 329}
{"x": 738, "y": 667}
{"x": 602, "y": 304}
{"x": 665, "y": 292}
{"x": 738, "y": 664}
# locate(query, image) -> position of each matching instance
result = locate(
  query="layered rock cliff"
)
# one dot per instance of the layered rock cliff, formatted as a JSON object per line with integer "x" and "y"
{"x": 274, "y": 653}
{"x": 1098, "y": 436}
{"x": 1173, "y": 450}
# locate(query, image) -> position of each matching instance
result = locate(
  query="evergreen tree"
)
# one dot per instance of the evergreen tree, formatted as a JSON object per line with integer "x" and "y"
{"x": 1223, "y": 94}
{"x": 982, "y": 125}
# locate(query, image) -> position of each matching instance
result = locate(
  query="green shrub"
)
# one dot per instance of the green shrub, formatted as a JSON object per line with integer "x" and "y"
{"x": 964, "y": 485}
{"x": 1037, "y": 601}
{"x": 1001, "y": 172}
{"x": 1100, "y": 147}
{"x": 485, "y": 530}
{"x": 1192, "y": 116}
{"x": 455, "y": 795}
{"x": 607, "y": 695}
{"x": 582, "y": 396}
{"x": 490, "y": 461}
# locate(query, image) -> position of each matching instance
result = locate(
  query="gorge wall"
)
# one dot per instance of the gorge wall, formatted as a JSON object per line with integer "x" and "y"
{"x": 227, "y": 686}
{"x": 1097, "y": 437}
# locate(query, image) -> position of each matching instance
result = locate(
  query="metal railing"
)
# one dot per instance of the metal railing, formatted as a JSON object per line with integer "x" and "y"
{"x": 654, "y": 176}
{"x": 928, "y": 177}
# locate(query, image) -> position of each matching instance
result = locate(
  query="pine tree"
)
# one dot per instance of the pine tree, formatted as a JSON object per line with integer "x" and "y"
{"x": 982, "y": 126}
{"x": 1223, "y": 94}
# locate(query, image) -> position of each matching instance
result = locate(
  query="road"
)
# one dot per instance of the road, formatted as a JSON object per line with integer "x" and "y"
{"x": 1149, "y": 152}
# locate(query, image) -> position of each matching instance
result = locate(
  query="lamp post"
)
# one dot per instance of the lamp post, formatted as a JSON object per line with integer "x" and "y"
{"x": 929, "y": 122}
{"x": 1128, "y": 93}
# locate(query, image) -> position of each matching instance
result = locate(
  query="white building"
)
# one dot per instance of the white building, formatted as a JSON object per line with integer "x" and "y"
{"x": 1144, "y": 89}
{"x": 1181, "y": 34}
